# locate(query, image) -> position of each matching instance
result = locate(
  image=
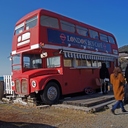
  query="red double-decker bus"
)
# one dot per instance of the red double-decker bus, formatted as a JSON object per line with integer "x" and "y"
{"x": 53, "y": 55}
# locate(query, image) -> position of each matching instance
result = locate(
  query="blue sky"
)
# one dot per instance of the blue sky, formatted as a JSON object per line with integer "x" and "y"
{"x": 109, "y": 15}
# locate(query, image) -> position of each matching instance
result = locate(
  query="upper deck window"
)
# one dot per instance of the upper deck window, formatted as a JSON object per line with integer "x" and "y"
{"x": 82, "y": 31}
{"x": 111, "y": 39}
{"x": 93, "y": 34}
{"x": 49, "y": 22}
{"x": 30, "y": 23}
{"x": 103, "y": 37}
{"x": 19, "y": 28}
{"x": 67, "y": 26}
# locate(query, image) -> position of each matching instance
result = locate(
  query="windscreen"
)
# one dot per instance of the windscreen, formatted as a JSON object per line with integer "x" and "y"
{"x": 32, "y": 61}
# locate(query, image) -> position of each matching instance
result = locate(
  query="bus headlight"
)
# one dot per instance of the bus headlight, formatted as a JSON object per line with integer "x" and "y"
{"x": 33, "y": 83}
{"x": 13, "y": 83}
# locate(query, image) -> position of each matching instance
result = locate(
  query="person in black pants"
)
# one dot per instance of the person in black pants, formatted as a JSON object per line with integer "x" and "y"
{"x": 104, "y": 73}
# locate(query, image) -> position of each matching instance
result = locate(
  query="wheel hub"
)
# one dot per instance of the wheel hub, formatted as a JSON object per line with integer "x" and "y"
{"x": 52, "y": 93}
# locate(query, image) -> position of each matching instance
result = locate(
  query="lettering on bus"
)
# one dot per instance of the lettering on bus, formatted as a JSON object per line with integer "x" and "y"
{"x": 84, "y": 41}
{"x": 57, "y": 37}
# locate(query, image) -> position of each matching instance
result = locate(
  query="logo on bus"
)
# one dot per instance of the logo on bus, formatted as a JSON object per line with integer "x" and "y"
{"x": 62, "y": 37}
{"x": 72, "y": 40}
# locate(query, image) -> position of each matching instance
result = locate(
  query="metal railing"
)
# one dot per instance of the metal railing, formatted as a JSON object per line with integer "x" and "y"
{"x": 7, "y": 84}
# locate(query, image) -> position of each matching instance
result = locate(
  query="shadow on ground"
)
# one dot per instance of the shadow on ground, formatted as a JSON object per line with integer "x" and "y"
{"x": 23, "y": 125}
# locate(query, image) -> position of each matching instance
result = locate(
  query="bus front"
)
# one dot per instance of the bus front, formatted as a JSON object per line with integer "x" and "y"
{"x": 25, "y": 55}
{"x": 29, "y": 72}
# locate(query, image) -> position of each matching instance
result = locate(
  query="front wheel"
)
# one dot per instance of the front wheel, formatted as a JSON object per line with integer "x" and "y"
{"x": 51, "y": 94}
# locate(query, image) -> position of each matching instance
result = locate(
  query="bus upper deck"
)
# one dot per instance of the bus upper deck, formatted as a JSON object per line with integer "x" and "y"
{"x": 51, "y": 30}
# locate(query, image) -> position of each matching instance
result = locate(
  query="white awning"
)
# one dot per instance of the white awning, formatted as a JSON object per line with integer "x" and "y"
{"x": 68, "y": 54}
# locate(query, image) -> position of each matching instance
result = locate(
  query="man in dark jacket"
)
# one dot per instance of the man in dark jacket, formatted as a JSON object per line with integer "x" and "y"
{"x": 104, "y": 73}
{"x": 126, "y": 86}
{"x": 126, "y": 73}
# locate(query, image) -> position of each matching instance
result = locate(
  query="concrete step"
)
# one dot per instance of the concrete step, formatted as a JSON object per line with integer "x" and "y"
{"x": 89, "y": 103}
{"x": 99, "y": 107}
{"x": 91, "y": 109}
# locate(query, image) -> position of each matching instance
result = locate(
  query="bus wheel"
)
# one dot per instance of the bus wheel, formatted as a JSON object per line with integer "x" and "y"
{"x": 89, "y": 90}
{"x": 51, "y": 94}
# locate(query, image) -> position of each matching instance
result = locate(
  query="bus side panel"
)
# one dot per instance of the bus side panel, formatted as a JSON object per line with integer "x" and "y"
{"x": 76, "y": 80}
{"x": 71, "y": 80}
{"x": 87, "y": 78}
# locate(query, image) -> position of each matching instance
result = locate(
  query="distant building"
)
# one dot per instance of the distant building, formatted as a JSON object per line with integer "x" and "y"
{"x": 123, "y": 49}
{"x": 123, "y": 56}
{"x": 1, "y": 78}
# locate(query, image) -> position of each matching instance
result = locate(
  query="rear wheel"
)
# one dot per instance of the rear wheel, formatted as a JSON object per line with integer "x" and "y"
{"x": 51, "y": 94}
{"x": 89, "y": 90}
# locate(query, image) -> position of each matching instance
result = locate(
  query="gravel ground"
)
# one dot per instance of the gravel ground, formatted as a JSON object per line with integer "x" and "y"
{"x": 15, "y": 116}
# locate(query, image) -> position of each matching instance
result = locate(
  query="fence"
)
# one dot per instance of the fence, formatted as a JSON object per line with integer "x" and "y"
{"x": 7, "y": 84}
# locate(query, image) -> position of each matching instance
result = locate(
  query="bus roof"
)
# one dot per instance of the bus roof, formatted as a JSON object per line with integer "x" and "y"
{"x": 28, "y": 16}
{"x": 47, "y": 12}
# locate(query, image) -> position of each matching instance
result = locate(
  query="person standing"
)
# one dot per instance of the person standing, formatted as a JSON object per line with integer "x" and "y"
{"x": 126, "y": 73}
{"x": 104, "y": 73}
{"x": 126, "y": 86}
{"x": 117, "y": 80}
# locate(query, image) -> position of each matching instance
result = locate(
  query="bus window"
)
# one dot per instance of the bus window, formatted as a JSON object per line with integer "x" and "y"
{"x": 31, "y": 23}
{"x": 93, "y": 34}
{"x": 26, "y": 61}
{"x": 107, "y": 64}
{"x": 111, "y": 40}
{"x": 103, "y": 37}
{"x": 37, "y": 63}
{"x": 67, "y": 62}
{"x": 53, "y": 62}
{"x": 49, "y": 22}
{"x": 78, "y": 63}
{"x": 19, "y": 28}
{"x": 32, "y": 61}
{"x": 94, "y": 63}
{"x": 67, "y": 26}
{"x": 82, "y": 31}
{"x": 99, "y": 64}
{"x": 16, "y": 65}
{"x": 89, "y": 63}
{"x": 83, "y": 63}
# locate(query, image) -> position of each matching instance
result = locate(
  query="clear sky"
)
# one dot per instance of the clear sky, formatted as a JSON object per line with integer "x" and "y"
{"x": 109, "y": 15}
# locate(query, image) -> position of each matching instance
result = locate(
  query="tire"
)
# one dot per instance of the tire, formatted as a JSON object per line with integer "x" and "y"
{"x": 51, "y": 94}
{"x": 89, "y": 91}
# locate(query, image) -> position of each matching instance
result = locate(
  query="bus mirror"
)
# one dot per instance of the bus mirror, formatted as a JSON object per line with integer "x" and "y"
{"x": 43, "y": 55}
{"x": 10, "y": 58}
